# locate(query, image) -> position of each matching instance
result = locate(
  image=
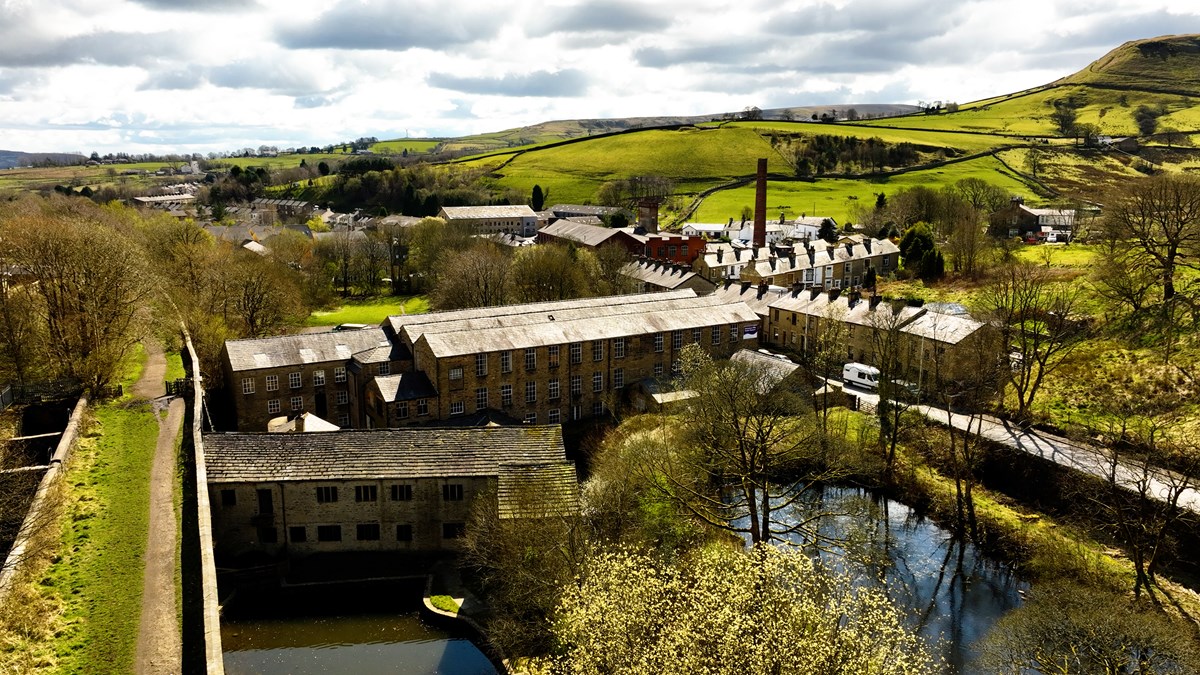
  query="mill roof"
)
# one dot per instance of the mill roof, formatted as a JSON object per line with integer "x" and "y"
{"x": 294, "y": 350}
{"x": 497, "y": 211}
{"x": 372, "y": 454}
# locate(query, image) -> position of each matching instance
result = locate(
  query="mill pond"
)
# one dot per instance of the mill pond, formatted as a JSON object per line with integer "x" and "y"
{"x": 952, "y": 592}
{"x": 363, "y": 628}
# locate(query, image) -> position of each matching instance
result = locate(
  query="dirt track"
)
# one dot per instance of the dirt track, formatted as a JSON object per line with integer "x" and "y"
{"x": 159, "y": 644}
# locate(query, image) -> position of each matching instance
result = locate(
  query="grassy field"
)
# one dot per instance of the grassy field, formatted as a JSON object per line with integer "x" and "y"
{"x": 694, "y": 158}
{"x": 1029, "y": 114}
{"x": 966, "y": 143}
{"x": 839, "y": 198}
{"x": 369, "y": 311}
{"x": 413, "y": 145}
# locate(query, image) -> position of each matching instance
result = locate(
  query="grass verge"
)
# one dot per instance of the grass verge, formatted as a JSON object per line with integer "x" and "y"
{"x": 174, "y": 367}
{"x": 98, "y": 577}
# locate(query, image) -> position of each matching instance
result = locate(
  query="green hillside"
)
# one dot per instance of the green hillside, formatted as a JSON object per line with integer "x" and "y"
{"x": 1170, "y": 63}
{"x": 695, "y": 158}
{"x": 841, "y": 198}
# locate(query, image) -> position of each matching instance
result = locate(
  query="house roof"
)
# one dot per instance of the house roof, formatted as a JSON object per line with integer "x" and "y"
{"x": 294, "y": 350}
{"x": 481, "y": 212}
{"x": 414, "y": 452}
{"x": 756, "y": 298}
{"x": 558, "y": 323}
{"x": 537, "y": 490}
{"x": 843, "y": 307}
{"x": 383, "y": 352}
{"x": 945, "y": 328}
{"x": 662, "y": 275}
{"x": 779, "y": 367}
{"x": 588, "y": 235}
{"x": 403, "y": 387}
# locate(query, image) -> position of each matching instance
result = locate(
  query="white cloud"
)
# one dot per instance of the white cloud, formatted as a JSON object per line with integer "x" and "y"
{"x": 170, "y": 75}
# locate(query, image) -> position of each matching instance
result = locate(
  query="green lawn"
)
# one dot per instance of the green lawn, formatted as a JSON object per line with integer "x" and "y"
{"x": 174, "y": 366}
{"x": 369, "y": 311}
{"x": 839, "y": 198}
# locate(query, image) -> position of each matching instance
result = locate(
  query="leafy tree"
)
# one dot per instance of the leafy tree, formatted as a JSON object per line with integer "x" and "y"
{"x": 1064, "y": 116}
{"x": 1146, "y": 118}
{"x": 538, "y": 199}
{"x": 933, "y": 266}
{"x": 1069, "y": 629}
{"x": 323, "y": 168}
{"x": 917, "y": 240}
{"x": 828, "y": 231}
{"x": 762, "y": 611}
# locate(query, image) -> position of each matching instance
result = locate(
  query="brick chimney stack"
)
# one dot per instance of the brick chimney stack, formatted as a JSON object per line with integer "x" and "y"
{"x": 760, "y": 205}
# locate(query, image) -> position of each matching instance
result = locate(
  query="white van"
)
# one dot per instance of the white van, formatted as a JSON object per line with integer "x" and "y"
{"x": 862, "y": 375}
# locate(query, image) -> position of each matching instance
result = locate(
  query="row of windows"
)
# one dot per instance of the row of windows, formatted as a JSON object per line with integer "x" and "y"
{"x": 399, "y": 492}
{"x": 554, "y": 392}
{"x": 575, "y": 351}
{"x": 297, "y": 403}
{"x": 298, "y": 534}
{"x": 402, "y": 408}
{"x": 296, "y": 379}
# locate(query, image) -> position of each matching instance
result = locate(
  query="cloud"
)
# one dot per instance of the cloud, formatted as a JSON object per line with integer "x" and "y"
{"x": 103, "y": 48}
{"x": 190, "y": 77}
{"x": 568, "y": 82}
{"x": 218, "y": 6}
{"x": 380, "y": 25}
{"x": 736, "y": 53}
{"x": 593, "y": 17}
{"x": 911, "y": 20}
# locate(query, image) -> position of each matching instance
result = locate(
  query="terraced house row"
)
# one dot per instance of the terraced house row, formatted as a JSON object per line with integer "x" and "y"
{"x": 541, "y": 363}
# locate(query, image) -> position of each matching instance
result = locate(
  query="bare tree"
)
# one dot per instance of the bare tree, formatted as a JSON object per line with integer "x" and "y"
{"x": 746, "y": 428}
{"x": 92, "y": 283}
{"x": 1034, "y": 316}
{"x": 480, "y": 278}
{"x": 1160, "y": 217}
{"x": 887, "y": 342}
{"x": 266, "y": 296}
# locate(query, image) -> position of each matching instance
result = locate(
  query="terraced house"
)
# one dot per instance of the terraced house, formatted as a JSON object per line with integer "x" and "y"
{"x": 538, "y": 363}
{"x": 807, "y": 264}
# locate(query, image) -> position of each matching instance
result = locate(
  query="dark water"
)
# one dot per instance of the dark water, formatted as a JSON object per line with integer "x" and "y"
{"x": 951, "y": 591}
{"x": 362, "y": 628}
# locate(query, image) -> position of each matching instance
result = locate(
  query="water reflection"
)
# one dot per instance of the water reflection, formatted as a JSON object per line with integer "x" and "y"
{"x": 953, "y": 593}
{"x": 363, "y": 628}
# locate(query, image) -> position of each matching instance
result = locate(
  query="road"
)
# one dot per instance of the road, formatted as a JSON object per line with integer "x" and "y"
{"x": 1062, "y": 451}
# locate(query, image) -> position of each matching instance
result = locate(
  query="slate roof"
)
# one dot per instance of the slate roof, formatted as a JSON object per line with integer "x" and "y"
{"x": 945, "y": 328}
{"x": 372, "y": 454}
{"x": 404, "y": 387}
{"x": 537, "y": 490}
{"x": 659, "y": 274}
{"x": 757, "y": 299}
{"x": 576, "y": 321}
{"x": 779, "y": 367}
{"x": 383, "y": 352}
{"x": 293, "y": 350}
{"x": 588, "y": 235}
{"x": 478, "y": 212}
{"x": 858, "y": 312}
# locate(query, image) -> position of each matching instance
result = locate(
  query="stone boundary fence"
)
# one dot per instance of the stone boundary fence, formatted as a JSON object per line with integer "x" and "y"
{"x": 43, "y": 510}
{"x": 201, "y": 629}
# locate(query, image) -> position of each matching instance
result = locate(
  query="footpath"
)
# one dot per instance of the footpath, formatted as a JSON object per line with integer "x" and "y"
{"x": 159, "y": 645}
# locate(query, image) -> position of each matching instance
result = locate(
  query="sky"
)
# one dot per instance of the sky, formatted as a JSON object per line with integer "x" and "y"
{"x": 168, "y": 76}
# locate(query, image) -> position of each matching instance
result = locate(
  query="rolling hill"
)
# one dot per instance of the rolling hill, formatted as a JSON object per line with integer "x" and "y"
{"x": 711, "y": 161}
{"x": 11, "y": 158}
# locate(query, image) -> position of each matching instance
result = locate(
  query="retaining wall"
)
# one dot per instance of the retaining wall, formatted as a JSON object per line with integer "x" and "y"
{"x": 39, "y": 513}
